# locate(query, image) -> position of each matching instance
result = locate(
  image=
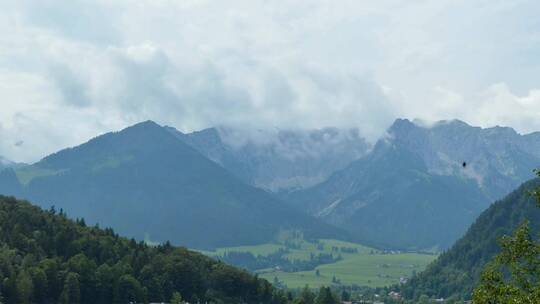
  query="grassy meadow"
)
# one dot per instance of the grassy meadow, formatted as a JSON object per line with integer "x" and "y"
{"x": 363, "y": 266}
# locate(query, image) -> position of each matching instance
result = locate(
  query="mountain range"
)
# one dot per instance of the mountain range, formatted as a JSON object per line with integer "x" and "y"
{"x": 145, "y": 183}
{"x": 279, "y": 160}
{"x": 419, "y": 187}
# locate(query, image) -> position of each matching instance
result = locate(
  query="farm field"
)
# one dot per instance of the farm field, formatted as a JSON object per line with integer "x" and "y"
{"x": 359, "y": 265}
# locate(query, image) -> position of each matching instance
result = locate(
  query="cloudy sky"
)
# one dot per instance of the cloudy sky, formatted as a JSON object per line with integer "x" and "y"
{"x": 70, "y": 70}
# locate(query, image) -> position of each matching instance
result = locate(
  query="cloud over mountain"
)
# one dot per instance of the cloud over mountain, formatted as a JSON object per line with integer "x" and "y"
{"x": 98, "y": 66}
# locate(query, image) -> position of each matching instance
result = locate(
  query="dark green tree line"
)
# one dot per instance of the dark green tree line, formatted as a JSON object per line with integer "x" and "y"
{"x": 47, "y": 258}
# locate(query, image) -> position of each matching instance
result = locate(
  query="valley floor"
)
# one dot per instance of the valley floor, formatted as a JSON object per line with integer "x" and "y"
{"x": 353, "y": 264}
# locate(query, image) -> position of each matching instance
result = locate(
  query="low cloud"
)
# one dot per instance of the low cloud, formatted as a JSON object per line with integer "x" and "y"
{"x": 69, "y": 71}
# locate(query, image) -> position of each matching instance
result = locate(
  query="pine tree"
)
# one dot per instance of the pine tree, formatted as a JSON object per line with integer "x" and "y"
{"x": 47, "y": 258}
{"x": 104, "y": 284}
{"x": 176, "y": 298}
{"x": 424, "y": 299}
{"x": 345, "y": 296}
{"x": 72, "y": 290}
{"x": 39, "y": 279}
{"x": 305, "y": 297}
{"x": 326, "y": 296}
{"x": 25, "y": 288}
{"x": 128, "y": 290}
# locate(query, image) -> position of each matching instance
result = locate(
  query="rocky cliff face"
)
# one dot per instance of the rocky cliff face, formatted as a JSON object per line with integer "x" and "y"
{"x": 498, "y": 159}
{"x": 413, "y": 190}
{"x": 280, "y": 160}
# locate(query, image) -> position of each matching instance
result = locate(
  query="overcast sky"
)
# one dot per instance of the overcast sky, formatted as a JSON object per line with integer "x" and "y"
{"x": 70, "y": 70}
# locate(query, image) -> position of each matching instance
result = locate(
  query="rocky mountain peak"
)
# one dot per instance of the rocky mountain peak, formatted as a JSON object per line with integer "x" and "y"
{"x": 402, "y": 125}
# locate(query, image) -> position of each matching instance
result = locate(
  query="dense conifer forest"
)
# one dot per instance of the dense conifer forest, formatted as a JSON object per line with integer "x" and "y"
{"x": 47, "y": 258}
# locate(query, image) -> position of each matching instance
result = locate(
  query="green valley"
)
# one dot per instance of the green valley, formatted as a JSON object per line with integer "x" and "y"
{"x": 351, "y": 264}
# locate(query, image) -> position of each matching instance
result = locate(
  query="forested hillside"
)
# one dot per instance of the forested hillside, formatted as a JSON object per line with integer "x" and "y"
{"x": 47, "y": 258}
{"x": 455, "y": 273}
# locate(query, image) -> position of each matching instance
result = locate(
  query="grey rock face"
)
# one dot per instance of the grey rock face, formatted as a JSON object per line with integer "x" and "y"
{"x": 280, "y": 160}
{"x": 413, "y": 190}
{"x": 498, "y": 158}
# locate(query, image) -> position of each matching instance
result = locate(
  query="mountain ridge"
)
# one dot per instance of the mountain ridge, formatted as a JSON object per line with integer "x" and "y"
{"x": 422, "y": 170}
{"x": 279, "y": 160}
{"x": 6, "y": 163}
{"x": 355, "y": 186}
{"x": 146, "y": 183}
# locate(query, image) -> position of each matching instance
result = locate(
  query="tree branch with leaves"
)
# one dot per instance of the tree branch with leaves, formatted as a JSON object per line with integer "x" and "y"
{"x": 514, "y": 274}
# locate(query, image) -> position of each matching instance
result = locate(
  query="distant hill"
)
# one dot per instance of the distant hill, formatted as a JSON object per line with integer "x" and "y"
{"x": 455, "y": 273}
{"x": 146, "y": 183}
{"x": 279, "y": 160}
{"x": 421, "y": 187}
{"x": 6, "y": 163}
{"x": 47, "y": 258}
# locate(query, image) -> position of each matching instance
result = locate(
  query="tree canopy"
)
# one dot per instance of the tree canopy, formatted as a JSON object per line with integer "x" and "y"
{"x": 47, "y": 258}
{"x": 514, "y": 274}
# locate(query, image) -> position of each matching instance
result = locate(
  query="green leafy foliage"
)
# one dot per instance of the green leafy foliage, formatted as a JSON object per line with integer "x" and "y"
{"x": 47, "y": 258}
{"x": 176, "y": 298}
{"x": 326, "y": 296}
{"x": 305, "y": 297}
{"x": 72, "y": 289}
{"x": 514, "y": 274}
{"x": 457, "y": 271}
